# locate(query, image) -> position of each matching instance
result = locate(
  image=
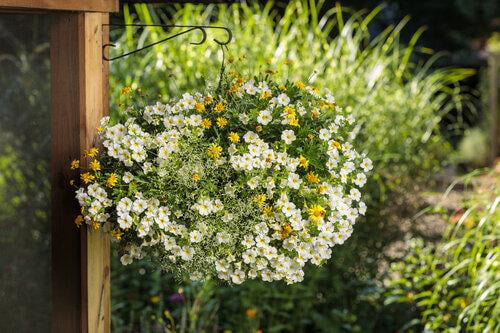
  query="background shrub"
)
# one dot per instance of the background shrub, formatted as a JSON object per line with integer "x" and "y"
{"x": 400, "y": 105}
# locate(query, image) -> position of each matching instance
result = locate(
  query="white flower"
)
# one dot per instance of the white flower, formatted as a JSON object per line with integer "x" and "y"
{"x": 283, "y": 99}
{"x": 248, "y": 241}
{"x": 244, "y": 118}
{"x": 264, "y": 117}
{"x": 195, "y": 236}
{"x": 223, "y": 237}
{"x": 294, "y": 181}
{"x": 195, "y": 120}
{"x": 187, "y": 253}
{"x": 250, "y": 137}
{"x": 125, "y": 221}
{"x": 124, "y": 206}
{"x": 288, "y": 136}
{"x": 362, "y": 208}
{"x": 126, "y": 259}
{"x": 204, "y": 207}
{"x": 253, "y": 183}
{"x": 139, "y": 205}
{"x": 238, "y": 276}
{"x": 127, "y": 177}
{"x": 288, "y": 208}
{"x": 367, "y": 164}
{"x": 324, "y": 134}
{"x": 354, "y": 194}
{"x": 360, "y": 179}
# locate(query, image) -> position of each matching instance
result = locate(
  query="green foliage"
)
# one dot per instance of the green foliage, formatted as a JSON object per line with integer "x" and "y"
{"x": 455, "y": 285}
{"x": 399, "y": 105}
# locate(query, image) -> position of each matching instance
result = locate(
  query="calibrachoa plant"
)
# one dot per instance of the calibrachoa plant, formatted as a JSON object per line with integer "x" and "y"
{"x": 249, "y": 184}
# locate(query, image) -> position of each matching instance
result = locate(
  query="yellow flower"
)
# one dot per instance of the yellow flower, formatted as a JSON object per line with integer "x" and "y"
{"x": 125, "y": 91}
{"x": 99, "y": 129}
{"x": 221, "y": 122}
{"x": 117, "y": 234}
{"x": 335, "y": 144}
{"x": 312, "y": 178}
{"x": 234, "y": 88}
{"x": 208, "y": 99}
{"x": 289, "y": 110}
{"x": 316, "y": 213}
{"x": 294, "y": 122}
{"x": 286, "y": 231}
{"x": 199, "y": 107}
{"x": 300, "y": 85}
{"x": 95, "y": 225}
{"x": 75, "y": 164}
{"x": 259, "y": 199}
{"x": 265, "y": 95}
{"x": 251, "y": 313}
{"x": 206, "y": 123}
{"x": 87, "y": 177}
{"x": 155, "y": 299}
{"x": 196, "y": 177}
{"x": 214, "y": 151}
{"x": 327, "y": 106}
{"x": 219, "y": 107}
{"x": 303, "y": 162}
{"x": 321, "y": 189}
{"x": 282, "y": 88}
{"x": 79, "y": 220}
{"x": 95, "y": 165}
{"x": 258, "y": 128}
{"x": 268, "y": 211}
{"x": 112, "y": 180}
{"x": 314, "y": 114}
{"x": 93, "y": 152}
{"x": 234, "y": 137}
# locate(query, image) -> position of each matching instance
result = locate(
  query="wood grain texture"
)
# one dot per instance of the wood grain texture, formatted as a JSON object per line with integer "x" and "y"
{"x": 73, "y": 5}
{"x": 95, "y": 244}
{"x": 79, "y": 101}
{"x": 65, "y": 146}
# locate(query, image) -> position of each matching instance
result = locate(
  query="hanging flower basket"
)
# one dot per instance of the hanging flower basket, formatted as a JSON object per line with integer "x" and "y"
{"x": 252, "y": 183}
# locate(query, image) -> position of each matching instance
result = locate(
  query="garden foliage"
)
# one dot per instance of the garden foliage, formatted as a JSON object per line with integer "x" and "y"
{"x": 399, "y": 104}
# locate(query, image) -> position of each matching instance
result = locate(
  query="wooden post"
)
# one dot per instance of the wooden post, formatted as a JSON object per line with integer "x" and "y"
{"x": 79, "y": 101}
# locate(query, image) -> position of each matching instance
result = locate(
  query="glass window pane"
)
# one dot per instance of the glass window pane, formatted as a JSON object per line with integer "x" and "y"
{"x": 25, "y": 250}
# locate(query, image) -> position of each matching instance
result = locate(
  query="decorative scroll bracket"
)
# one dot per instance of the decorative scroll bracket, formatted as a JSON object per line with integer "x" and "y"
{"x": 189, "y": 28}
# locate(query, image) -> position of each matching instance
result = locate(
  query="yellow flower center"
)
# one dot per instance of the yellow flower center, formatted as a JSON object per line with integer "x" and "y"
{"x": 219, "y": 107}
{"x": 95, "y": 165}
{"x": 112, "y": 180}
{"x": 303, "y": 162}
{"x": 316, "y": 213}
{"x": 234, "y": 137}
{"x": 221, "y": 122}
{"x": 206, "y": 123}
{"x": 312, "y": 178}
{"x": 214, "y": 151}
{"x": 199, "y": 107}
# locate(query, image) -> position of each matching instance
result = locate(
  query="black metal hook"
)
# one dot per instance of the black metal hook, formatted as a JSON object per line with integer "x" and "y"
{"x": 189, "y": 29}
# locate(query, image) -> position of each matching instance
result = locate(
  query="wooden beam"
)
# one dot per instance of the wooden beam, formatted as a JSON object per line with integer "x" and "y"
{"x": 73, "y": 5}
{"x": 65, "y": 146}
{"x": 79, "y": 100}
{"x": 95, "y": 244}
